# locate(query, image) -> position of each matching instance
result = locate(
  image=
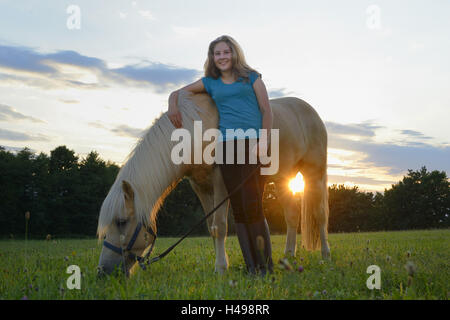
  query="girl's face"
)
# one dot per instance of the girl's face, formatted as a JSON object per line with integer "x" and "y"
{"x": 222, "y": 56}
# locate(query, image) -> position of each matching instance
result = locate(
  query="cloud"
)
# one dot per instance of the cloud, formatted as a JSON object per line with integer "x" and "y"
{"x": 22, "y": 58}
{"x": 365, "y": 129}
{"x": 121, "y": 130}
{"x": 363, "y": 157}
{"x": 97, "y": 125}
{"x": 396, "y": 156}
{"x": 160, "y": 75}
{"x": 19, "y": 136}
{"x": 126, "y": 131}
{"x": 340, "y": 179}
{"x": 7, "y": 113}
{"x": 71, "y": 57}
{"x": 414, "y": 134}
{"x": 278, "y": 93}
{"x": 400, "y": 158}
{"x": 26, "y": 66}
{"x": 31, "y": 81}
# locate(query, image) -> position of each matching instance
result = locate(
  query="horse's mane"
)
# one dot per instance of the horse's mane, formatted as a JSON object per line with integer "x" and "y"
{"x": 149, "y": 170}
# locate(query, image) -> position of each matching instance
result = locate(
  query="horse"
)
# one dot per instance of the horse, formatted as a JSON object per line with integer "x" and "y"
{"x": 148, "y": 176}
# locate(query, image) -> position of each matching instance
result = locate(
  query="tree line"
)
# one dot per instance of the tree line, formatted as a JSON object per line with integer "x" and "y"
{"x": 63, "y": 195}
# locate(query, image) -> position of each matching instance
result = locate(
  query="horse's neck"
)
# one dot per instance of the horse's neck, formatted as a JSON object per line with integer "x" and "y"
{"x": 151, "y": 171}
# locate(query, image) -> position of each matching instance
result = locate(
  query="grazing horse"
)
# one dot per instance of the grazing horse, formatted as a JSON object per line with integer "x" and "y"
{"x": 149, "y": 175}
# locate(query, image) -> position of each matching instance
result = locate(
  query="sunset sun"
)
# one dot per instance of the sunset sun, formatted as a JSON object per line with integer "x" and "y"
{"x": 297, "y": 184}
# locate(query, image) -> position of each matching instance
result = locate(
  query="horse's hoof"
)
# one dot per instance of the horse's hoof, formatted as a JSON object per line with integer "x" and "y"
{"x": 326, "y": 255}
{"x": 289, "y": 253}
{"x": 220, "y": 270}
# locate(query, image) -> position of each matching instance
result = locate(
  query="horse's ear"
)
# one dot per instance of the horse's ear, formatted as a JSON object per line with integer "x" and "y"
{"x": 127, "y": 190}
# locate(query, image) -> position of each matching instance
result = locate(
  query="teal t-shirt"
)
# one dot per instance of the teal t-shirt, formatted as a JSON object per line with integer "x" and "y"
{"x": 236, "y": 103}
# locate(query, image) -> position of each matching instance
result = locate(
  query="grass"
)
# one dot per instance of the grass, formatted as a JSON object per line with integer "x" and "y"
{"x": 37, "y": 270}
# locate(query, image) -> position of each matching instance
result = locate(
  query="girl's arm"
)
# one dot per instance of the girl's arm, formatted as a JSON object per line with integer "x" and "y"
{"x": 175, "y": 114}
{"x": 264, "y": 106}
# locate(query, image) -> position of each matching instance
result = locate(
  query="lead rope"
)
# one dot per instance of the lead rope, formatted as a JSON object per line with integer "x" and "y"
{"x": 147, "y": 261}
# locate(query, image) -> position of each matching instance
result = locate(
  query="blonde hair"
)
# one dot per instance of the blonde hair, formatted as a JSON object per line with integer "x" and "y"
{"x": 240, "y": 68}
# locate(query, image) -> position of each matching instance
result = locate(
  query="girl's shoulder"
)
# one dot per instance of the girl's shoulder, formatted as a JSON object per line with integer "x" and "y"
{"x": 209, "y": 83}
{"x": 253, "y": 75}
{"x": 210, "y": 79}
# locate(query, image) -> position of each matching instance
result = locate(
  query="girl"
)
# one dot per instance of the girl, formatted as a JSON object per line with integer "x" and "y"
{"x": 242, "y": 102}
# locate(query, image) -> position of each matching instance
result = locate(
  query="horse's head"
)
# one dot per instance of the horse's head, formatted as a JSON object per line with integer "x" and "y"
{"x": 125, "y": 234}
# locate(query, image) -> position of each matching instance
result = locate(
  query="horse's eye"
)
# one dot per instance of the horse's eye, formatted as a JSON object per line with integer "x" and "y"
{"x": 121, "y": 222}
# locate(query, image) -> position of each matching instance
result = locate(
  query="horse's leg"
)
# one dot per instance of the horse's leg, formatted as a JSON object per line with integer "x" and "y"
{"x": 220, "y": 220}
{"x": 315, "y": 210}
{"x": 291, "y": 216}
{"x": 216, "y": 225}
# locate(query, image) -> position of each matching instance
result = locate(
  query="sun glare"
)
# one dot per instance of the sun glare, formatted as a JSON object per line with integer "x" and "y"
{"x": 297, "y": 184}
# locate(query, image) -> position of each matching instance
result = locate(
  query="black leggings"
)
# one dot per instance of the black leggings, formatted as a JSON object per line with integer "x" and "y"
{"x": 246, "y": 202}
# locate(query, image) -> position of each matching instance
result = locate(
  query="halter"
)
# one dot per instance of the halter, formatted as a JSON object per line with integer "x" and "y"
{"x": 120, "y": 251}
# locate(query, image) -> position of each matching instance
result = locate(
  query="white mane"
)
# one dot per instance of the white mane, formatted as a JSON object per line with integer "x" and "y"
{"x": 149, "y": 170}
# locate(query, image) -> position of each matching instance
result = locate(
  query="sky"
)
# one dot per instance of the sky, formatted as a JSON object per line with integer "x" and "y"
{"x": 92, "y": 75}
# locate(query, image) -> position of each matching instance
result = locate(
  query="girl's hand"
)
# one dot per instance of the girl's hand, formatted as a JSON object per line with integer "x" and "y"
{"x": 174, "y": 113}
{"x": 175, "y": 116}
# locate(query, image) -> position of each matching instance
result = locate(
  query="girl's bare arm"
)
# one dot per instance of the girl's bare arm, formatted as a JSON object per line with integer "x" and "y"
{"x": 175, "y": 114}
{"x": 264, "y": 106}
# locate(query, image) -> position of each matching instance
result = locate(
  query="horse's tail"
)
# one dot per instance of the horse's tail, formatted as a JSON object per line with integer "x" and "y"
{"x": 314, "y": 216}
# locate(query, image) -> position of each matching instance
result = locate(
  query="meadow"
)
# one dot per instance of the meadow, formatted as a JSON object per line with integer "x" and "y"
{"x": 413, "y": 264}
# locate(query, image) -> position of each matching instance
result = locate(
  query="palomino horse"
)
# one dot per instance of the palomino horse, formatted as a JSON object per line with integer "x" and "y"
{"x": 149, "y": 175}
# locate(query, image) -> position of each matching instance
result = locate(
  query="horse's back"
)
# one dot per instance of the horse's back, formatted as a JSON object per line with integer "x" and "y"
{"x": 292, "y": 109}
{"x": 302, "y": 134}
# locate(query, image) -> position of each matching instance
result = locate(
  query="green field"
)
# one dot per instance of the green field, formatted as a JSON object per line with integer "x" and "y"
{"x": 37, "y": 270}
